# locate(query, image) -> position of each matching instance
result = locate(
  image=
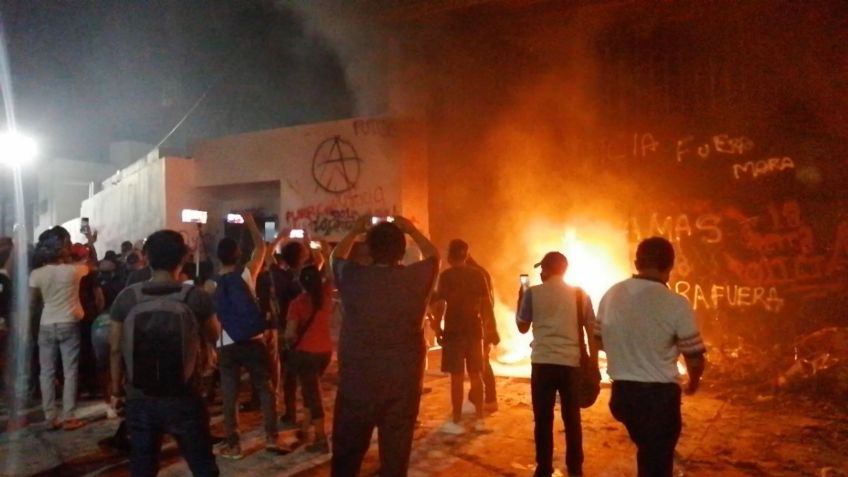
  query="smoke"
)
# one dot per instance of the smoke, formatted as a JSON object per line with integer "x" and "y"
{"x": 519, "y": 102}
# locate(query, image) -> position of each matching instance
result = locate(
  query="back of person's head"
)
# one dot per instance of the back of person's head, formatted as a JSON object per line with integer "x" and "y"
{"x": 166, "y": 250}
{"x": 293, "y": 254}
{"x": 51, "y": 247}
{"x": 312, "y": 282}
{"x": 457, "y": 252}
{"x": 386, "y": 243}
{"x": 655, "y": 253}
{"x": 126, "y": 247}
{"x": 553, "y": 264}
{"x": 63, "y": 234}
{"x": 133, "y": 259}
{"x": 228, "y": 251}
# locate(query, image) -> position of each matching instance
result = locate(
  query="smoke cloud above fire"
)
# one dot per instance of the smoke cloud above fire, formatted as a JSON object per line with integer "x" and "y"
{"x": 520, "y": 101}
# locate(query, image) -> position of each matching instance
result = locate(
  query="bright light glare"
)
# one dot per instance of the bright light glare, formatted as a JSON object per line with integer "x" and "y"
{"x": 16, "y": 149}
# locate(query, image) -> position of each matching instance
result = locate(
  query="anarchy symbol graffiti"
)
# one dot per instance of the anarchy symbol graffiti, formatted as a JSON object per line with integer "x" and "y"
{"x": 335, "y": 166}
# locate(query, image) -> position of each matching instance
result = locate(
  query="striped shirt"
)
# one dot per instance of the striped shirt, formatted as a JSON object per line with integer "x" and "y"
{"x": 645, "y": 327}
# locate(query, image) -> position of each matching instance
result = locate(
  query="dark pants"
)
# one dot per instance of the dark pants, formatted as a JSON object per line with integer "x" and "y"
{"x": 186, "y": 419}
{"x": 354, "y": 422}
{"x": 252, "y": 356}
{"x": 309, "y": 367}
{"x": 546, "y": 380}
{"x": 289, "y": 384}
{"x": 651, "y": 414}
{"x": 491, "y": 394}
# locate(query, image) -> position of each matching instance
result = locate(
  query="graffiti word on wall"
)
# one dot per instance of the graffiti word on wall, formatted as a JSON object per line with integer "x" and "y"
{"x": 338, "y": 214}
{"x": 755, "y": 169}
{"x": 711, "y": 297}
{"x": 676, "y": 227}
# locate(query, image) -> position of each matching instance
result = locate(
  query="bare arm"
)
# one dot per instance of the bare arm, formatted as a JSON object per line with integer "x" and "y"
{"x": 342, "y": 250}
{"x": 438, "y": 309}
{"x": 428, "y": 250}
{"x": 211, "y": 329}
{"x": 291, "y": 331}
{"x": 523, "y": 317}
{"x": 116, "y": 370}
{"x": 258, "y": 256}
{"x": 99, "y": 299}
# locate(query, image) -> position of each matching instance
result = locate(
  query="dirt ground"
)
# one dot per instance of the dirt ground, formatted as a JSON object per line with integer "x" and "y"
{"x": 727, "y": 433}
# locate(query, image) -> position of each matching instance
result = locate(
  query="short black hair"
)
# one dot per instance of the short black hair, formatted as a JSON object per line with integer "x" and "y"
{"x": 126, "y": 246}
{"x": 133, "y": 258}
{"x": 457, "y": 250}
{"x": 228, "y": 251}
{"x": 386, "y": 243}
{"x": 293, "y": 254}
{"x": 166, "y": 250}
{"x": 656, "y": 253}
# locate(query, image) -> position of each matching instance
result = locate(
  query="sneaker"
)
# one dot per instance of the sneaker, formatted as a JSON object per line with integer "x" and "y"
{"x": 320, "y": 446}
{"x": 72, "y": 424}
{"x": 232, "y": 452}
{"x": 490, "y": 407}
{"x": 452, "y": 428}
{"x": 272, "y": 445}
{"x": 480, "y": 425}
{"x": 111, "y": 412}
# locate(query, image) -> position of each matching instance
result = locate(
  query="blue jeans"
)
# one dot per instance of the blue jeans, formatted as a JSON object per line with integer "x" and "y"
{"x": 64, "y": 338}
{"x": 185, "y": 418}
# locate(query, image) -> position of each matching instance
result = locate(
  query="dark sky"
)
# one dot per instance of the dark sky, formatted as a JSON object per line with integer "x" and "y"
{"x": 87, "y": 73}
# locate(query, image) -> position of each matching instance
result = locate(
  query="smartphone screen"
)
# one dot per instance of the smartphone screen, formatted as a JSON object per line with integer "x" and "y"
{"x": 315, "y": 245}
{"x": 296, "y": 233}
{"x": 377, "y": 219}
{"x": 524, "y": 279}
{"x": 235, "y": 219}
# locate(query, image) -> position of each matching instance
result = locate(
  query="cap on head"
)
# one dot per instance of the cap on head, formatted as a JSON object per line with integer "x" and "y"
{"x": 79, "y": 251}
{"x": 457, "y": 250}
{"x": 655, "y": 253}
{"x": 553, "y": 263}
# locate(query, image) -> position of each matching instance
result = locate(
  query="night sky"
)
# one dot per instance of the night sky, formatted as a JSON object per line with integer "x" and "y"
{"x": 89, "y": 73}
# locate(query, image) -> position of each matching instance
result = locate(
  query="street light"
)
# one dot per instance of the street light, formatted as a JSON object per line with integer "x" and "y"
{"x": 16, "y": 150}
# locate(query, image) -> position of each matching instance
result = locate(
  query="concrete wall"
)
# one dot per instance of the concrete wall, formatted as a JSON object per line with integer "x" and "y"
{"x": 62, "y": 185}
{"x": 130, "y": 207}
{"x": 329, "y": 173}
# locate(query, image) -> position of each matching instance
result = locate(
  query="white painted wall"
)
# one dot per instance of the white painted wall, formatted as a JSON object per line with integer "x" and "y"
{"x": 62, "y": 186}
{"x": 370, "y": 180}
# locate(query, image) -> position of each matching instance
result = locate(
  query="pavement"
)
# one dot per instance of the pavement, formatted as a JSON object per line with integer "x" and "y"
{"x": 727, "y": 433}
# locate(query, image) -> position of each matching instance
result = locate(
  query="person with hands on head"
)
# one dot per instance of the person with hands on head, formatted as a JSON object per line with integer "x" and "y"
{"x": 644, "y": 327}
{"x": 381, "y": 344}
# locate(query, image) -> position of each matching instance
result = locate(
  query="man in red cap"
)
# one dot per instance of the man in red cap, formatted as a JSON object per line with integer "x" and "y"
{"x": 552, "y": 310}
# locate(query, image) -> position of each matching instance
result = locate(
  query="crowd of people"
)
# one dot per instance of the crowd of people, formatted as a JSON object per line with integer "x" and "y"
{"x": 160, "y": 342}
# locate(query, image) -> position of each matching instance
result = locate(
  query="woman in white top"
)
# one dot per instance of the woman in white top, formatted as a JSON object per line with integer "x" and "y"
{"x": 57, "y": 284}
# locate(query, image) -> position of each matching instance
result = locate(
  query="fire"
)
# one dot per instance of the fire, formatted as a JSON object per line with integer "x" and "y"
{"x": 598, "y": 258}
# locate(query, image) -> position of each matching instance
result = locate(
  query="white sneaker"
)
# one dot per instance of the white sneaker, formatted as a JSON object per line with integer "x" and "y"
{"x": 480, "y": 425}
{"x": 452, "y": 428}
{"x": 468, "y": 408}
{"x": 111, "y": 412}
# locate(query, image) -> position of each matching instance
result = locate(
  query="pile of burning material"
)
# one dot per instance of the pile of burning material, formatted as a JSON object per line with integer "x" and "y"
{"x": 821, "y": 364}
{"x": 744, "y": 363}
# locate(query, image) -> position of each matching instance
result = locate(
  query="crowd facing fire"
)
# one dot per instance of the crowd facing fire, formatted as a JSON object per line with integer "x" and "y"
{"x": 159, "y": 342}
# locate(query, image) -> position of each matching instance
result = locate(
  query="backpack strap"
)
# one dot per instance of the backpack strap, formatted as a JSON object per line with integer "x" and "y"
{"x": 584, "y": 356}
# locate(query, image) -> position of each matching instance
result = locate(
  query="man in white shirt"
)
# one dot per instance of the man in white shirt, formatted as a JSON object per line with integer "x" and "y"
{"x": 552, "y": 310}
{"x": 644, "y": 327}
{"x": 57, "y": 283}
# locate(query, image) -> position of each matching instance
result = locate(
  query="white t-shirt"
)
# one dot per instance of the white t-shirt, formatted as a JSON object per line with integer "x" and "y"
{"x": 60, "y": 287}
{"x": 645, "y": 327}
{"x": 552, "y": 309}
{"x": 251, "y": 285}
